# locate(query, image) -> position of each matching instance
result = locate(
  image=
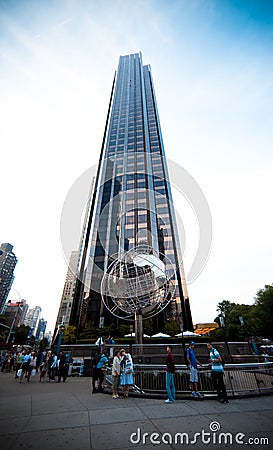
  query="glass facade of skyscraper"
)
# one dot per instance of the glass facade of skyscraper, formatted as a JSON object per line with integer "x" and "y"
{"x": 132, "y": 202}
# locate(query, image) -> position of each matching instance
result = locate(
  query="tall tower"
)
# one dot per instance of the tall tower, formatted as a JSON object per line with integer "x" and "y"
{"x": 131, "y": 202}
{"x": 68, "y": 291}
{"x": 8, "y": 262}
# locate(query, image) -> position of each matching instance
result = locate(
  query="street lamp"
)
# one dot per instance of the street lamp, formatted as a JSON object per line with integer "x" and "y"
{"x": 223, "y": 326}
{"x": 61, "y": 329}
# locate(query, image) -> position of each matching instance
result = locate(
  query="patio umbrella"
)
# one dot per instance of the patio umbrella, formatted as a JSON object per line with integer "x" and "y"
{"x": 187, "y": 334}
{"x": 134, "y": 335}
{"x": 160, "y": 335}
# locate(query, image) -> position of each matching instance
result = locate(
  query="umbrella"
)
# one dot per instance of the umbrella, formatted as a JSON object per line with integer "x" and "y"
{"x": 161, "y": 335}
{"x": 134, "y": 335}
{"x": 187, "y": 333}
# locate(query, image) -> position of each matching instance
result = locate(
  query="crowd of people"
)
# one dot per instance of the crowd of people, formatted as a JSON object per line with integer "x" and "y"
{"x": 122, "y": 372}
{"x": 217, "y": 373}
{"x": 26, "y": 364}
{"x": 47, "y": 365}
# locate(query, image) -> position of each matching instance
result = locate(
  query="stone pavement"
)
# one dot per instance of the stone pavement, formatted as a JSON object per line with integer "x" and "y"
{"x": 43, "y": 416}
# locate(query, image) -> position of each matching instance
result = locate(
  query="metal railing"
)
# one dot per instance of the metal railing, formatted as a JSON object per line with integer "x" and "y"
{"x": 240, "y": 379}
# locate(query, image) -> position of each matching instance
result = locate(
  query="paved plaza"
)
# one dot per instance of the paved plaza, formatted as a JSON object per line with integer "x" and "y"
{"x": 43, "y": 416}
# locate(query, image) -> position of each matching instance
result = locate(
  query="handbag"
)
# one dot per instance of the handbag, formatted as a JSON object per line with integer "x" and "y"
{"x": 33, "y": 372}
{"x": 19, "y": 372}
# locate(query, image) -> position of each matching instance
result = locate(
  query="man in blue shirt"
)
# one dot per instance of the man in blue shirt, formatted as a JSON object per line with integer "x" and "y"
{"x": 217, "y": 373}
{"x": 191, "y": 358}
{"x": 25, "y": 365}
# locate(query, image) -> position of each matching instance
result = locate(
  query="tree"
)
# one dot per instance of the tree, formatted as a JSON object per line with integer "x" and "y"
{"x": 43, "y": 344}
{"x": 172, "y": 327}
{"x": 264, "y": 311}
{"x": 148, "y": 327}
{"x": 89, "y": 331}
{"x": 21, "y": 334}
{"x": 233, "y": 329}
{"x": 69, "y": 334}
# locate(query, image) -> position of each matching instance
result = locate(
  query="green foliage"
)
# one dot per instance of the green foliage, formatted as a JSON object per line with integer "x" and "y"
{"x": 224, "y": 307}
{"x": 21, "y": 334}
{"x": 89, "y": 331}
{"x": 258, "y": 318}
{"x": 172, "y": 328}
{"x": 69, "y": 334}
{"x": 43, "y": 344}
{"x": 123, "y": 329}
{"x": 264, "y": 311}
{"x": 148, "y": 327}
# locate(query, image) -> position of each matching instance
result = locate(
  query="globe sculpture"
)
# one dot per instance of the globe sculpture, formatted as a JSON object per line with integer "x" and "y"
{"x": 140, "y": 281}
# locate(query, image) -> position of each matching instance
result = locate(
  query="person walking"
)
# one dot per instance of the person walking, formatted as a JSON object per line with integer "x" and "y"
{"x": 170, "y": 371}
{"x": 25, "y": 365}
{"x": 20, "y": 361}
{"x": 217, "y": 373}
{"x": 32, "y": 366}
{"x": 192, "y": 361}
{"x": 63, "y": 367}
{"x": 44, "y": 367}
{"x": 116, "y": 369}
{"x": 53, "y": 366}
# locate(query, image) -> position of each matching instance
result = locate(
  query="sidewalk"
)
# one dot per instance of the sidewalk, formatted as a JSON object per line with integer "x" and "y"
{"x": 49, "y": 416}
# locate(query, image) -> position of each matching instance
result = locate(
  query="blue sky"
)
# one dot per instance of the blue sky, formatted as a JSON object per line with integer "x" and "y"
{"x": 212, "y": 68}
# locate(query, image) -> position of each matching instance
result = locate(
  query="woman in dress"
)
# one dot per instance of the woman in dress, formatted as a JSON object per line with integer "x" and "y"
{"x": 126, "y": 379}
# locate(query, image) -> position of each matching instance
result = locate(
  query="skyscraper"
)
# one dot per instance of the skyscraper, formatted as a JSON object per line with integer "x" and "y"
{"x": 8, "y": 262}
{"x": 131, "y": 201}
{"x": 32, "y": 318}
{"x": 68, "y": 290}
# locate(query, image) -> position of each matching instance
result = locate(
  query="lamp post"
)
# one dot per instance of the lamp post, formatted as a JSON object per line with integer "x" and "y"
{"x": 223, "y": 326}
{"x": 182, "y": 341}
{"x": 61, "y": 329}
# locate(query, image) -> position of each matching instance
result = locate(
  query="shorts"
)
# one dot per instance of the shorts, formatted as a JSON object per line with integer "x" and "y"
{"x": 25, "y": 367}
{"x": 116, "y": 379}
{"x": 193, "y": 375}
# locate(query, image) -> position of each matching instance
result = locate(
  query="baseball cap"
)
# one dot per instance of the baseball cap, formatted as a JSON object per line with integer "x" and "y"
{"x": 191, "y": 343}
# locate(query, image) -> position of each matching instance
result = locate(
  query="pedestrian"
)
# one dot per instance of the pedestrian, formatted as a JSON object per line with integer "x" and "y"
{"x": 116, "y": 369}
{"x": 100, "y": 343}
{"x": 126, "y": 378}
{"x": 98, "y": 373}
{"x": 20, "y": 360}
{"x": 44, "y": 367}
{"x": 25, "y": 366}
{"x": 63, "y": 367}
{"x": 53, "y": 365}
{"x": 217, "y": 373}
{"x": 192, "y": 361}
{"x": 170, "y": 371}
{"x": 32, "y": 366}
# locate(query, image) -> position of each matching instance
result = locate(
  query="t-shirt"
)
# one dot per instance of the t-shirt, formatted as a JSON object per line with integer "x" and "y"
{"x": 103, "y": 360}
{"x": 215, "y": 366}
{"x": 170, "y": 363}
{"x": 191, "y": 356}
